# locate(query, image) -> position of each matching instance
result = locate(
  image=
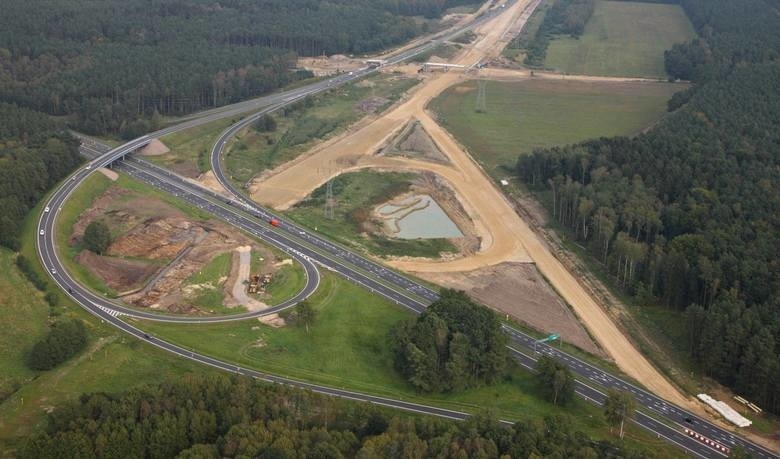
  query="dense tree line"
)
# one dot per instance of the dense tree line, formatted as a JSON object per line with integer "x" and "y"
{"x": 64, "y": 340}
{"x": 34, "y": 155}
{"x": 556, "y": 380}
{"x": 686, "y": 215}
{"x": 563, "y": 17}
{"x": 455, "y": 344}
{"x": 117, "y": 66}
{"x": 211, "y": 417}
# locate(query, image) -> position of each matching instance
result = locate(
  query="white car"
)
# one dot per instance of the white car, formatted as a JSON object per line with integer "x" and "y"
{"x": 42, "y": 233}
{"x": 46, "y": 209}
{"x": 53, "y": 271}
{"x": 89, "y": 167}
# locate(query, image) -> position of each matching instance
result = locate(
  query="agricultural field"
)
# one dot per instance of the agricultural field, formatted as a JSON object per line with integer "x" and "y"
{"x": 347, "y": 346}
{"x": 622, "y": 39}
{"x": 355, "y": 195}
{"x": 298, "y": 128}
{"x": 530, "y": 114}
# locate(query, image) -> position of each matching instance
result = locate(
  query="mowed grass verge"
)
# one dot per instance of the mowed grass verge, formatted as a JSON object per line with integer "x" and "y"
{"x": 525, "y": 115}
{"x": 348, "y": 347}
{"x": 622, "y": 39}
{"x": 190, "y": 149}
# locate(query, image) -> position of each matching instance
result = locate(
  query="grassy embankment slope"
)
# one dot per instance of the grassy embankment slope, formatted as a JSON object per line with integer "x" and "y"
{"x": 622, "y": 39}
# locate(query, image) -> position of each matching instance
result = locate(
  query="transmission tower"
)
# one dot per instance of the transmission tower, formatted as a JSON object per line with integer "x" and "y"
{"x": 481, "y": 105}
{"x": 330, "y": 203}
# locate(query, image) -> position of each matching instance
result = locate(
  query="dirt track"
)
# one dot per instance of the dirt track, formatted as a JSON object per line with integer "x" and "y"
{"x": 505, "y": 237}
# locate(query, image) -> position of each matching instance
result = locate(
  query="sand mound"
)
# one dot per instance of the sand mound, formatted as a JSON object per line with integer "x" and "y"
{"x": 109, "y": 173}
{"x": 155, "y": 148}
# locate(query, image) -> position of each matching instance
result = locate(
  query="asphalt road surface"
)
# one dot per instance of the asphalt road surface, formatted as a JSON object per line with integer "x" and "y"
{"x": 666, "y": 420}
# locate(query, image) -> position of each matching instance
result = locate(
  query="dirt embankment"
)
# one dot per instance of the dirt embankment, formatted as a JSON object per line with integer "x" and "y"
{"x": 517, "y": 289}
{"x": 414, "y": 142}
{"x": 329, "y": 65}
{"x": 158, "y": 249}
{"x": 118, "y": 274}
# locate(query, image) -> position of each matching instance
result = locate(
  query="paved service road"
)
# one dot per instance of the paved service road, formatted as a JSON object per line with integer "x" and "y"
{"x": 310, "y": 250}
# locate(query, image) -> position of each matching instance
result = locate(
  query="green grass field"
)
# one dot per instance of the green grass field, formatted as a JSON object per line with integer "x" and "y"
{"x": 348, "y": 347}
{"x": 532, "y": 114}
{"x": 112, "y": 363}
{"x": 356, "y": 193}
{"x": 622, "y": 39}
{"x": 23, "y": 313}
{"x": 251, "y": 152}
{"x": 189, "y": 149}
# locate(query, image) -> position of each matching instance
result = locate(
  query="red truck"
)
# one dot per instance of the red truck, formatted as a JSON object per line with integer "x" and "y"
{"x": 274, "y": 222}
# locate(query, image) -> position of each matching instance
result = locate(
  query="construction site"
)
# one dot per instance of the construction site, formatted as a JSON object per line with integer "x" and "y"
{"x": 162, "y": 258}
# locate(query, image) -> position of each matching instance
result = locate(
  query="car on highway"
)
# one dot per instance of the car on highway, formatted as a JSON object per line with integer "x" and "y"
{"x": 46, "y": 209}
{"x": 42, "y": 232}
{"x": 53, "y": 271}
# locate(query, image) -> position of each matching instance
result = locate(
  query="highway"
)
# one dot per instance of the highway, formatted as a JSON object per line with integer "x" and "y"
{"x": 591, "y": 379}
{"x": 310, "y": 250}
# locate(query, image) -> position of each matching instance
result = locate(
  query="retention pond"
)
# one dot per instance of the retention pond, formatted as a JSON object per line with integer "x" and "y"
{"x": 418, "y": 217}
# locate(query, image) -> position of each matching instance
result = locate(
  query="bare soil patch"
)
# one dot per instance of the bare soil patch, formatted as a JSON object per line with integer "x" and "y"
{"x": 329, "y": 65}
{"x": 208, "y": 180}
{"x": 185, "y": 169}
{"x": 371, "y": 104}
{"x": 111, "y": 175}
{"x": 119, "y": 274}
{"x": 157, "y": 249}
{"x": 519, "y": 290}
{"x": 414, "y": 142}
{"x": 155, "y": 148}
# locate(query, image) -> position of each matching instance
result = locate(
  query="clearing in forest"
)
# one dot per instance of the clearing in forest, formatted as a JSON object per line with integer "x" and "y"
{"x": 622, "y": 39}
